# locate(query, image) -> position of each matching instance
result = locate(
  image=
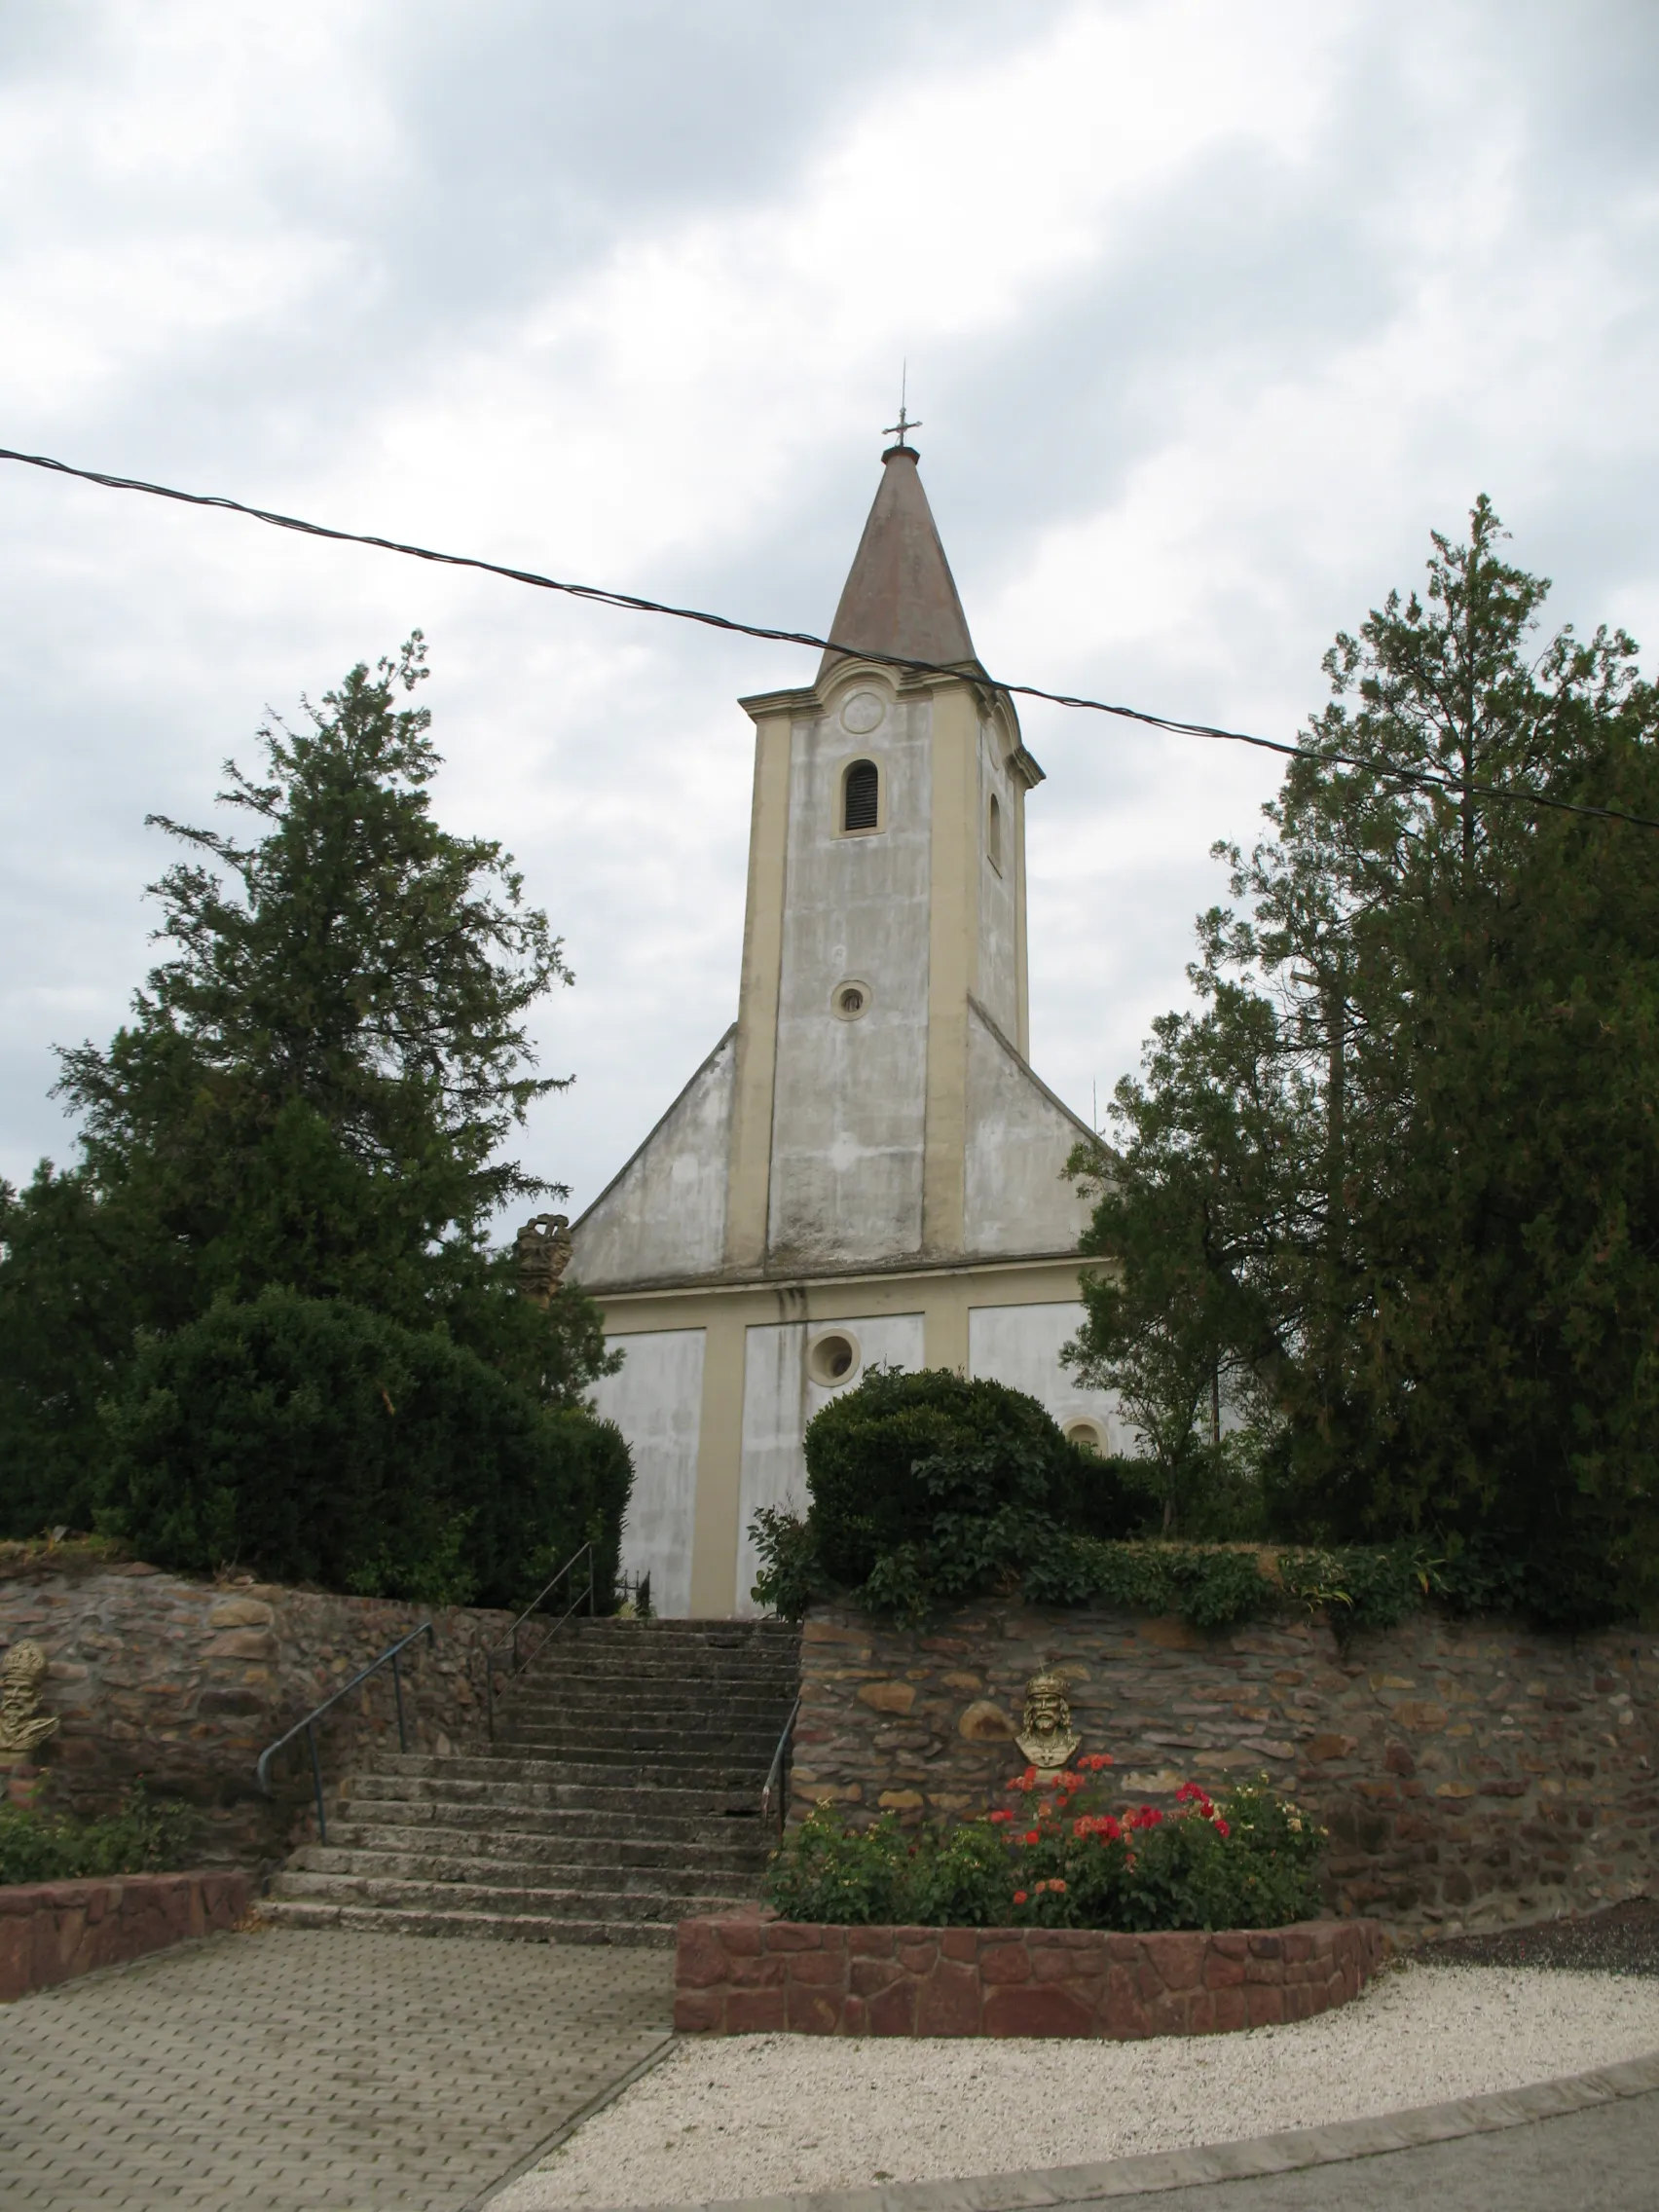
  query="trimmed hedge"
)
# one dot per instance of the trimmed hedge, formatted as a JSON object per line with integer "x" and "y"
{"x": 315, "y": 1442}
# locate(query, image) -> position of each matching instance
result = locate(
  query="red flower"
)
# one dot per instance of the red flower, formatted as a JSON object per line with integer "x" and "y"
{"x": 1001, "y": 1815}
{"x": 1220, "y": 1827}
{"x": 1019, "y": 1896}
{"x": 1033, "y": 1835}
{"x": 1101, "y": 1825}
{"x": 1094, "y": 1761}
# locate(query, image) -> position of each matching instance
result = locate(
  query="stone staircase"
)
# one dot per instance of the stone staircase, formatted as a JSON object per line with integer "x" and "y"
{"x": 622, "y": 1793}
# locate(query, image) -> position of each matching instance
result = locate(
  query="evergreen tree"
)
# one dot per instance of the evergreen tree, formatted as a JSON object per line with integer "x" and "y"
{"x": 313, "y": 1092}
{"x": 1407, "y": 1143}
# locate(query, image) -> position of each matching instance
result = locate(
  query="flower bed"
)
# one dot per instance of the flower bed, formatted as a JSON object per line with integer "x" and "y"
{"x": 1058, "y": 1858}
{"x": 750, "y": 1976}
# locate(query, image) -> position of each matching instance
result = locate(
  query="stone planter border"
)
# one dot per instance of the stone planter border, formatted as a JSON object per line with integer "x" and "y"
{"x": 748, "y": 1975}
{"x": 53, "y": 1931}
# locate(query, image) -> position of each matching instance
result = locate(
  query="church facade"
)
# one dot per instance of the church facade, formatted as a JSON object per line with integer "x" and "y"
{"x": 865, "y": 1169}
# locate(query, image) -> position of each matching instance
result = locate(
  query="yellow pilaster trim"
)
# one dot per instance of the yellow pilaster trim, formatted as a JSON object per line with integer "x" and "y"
{"x": 748, "y": 1191}
{"x": 944, "y": 1322}
{"x": 720, "y": 1467}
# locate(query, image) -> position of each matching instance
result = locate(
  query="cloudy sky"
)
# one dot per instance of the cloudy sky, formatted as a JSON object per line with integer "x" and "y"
{"x": 1211, "y": 312}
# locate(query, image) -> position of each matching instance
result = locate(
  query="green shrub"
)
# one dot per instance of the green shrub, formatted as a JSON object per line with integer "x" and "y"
{"x": 847, "y": 1877}
{"x": 1247, "y": 1859}
{"x": 312, "y": 1441}
{"x": 927, "y": 1489}
{"x": 145, "y": 1837}
{"x": 791, "y": 1573}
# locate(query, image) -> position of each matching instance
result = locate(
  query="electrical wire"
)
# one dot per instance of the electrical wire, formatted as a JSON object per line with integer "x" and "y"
{"x": 1409, "y": 778}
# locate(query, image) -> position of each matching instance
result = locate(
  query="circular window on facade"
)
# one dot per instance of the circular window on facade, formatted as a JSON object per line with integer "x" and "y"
{"x": 850, "y": 999}
{"x": 832, "y": 1358}
{"x": 1088, "y": 1436}
{"x": 863, "y": 713}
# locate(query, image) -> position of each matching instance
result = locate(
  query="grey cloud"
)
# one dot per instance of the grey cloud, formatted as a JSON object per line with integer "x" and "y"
{"x": 532, "y": 142}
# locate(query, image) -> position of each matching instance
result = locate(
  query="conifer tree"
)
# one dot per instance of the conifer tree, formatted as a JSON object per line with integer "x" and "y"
{"x": 1405, "y": 1147}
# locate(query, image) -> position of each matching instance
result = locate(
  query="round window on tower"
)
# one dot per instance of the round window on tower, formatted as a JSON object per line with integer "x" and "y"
{"x": 850, "y": 999}
{"x": 833, "y": 1359}
{"x": 1088, "y": 1436}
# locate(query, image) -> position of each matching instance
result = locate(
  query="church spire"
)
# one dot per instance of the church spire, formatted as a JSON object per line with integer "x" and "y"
{"x": 899, "y": 596}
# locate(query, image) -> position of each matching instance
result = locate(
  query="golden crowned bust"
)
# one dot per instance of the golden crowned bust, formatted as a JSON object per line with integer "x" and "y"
{"x": 1047, "y": 1738}
{"x": 22, "y": 1724}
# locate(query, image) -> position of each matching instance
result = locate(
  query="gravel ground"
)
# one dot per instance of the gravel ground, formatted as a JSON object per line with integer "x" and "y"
{"x": 750, "y": 2115}
{"x": 1620, "y": 1939}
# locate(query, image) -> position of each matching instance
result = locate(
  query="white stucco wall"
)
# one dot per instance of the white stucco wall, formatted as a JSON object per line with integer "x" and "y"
{"x": 664, "y": 1215}
{"x": 1021, "y": 1345}
{"x": 656, "y": 1400}
{"x": 848, "y": 1107}
{"x": 1019, "y": 1138}
{"x": 780, "y": 1398}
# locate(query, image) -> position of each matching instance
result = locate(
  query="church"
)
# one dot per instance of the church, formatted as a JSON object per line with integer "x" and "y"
{"x": 865, "y": 1170}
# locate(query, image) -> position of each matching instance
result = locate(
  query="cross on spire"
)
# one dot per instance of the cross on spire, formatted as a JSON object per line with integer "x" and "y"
{"x": 904, "y": 424}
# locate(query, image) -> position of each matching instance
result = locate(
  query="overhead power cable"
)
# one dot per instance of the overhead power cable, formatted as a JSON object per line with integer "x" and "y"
{"x": 1415, "y": 779}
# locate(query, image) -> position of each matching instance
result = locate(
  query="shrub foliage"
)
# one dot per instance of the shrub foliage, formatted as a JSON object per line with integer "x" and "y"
{"x": 147, "y": 1836}
{"x": 1057, "y": 1859}
{"x": 315, "y": 1442}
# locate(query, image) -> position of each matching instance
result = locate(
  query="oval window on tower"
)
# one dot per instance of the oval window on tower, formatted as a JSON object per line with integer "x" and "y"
{"x": 861, "y": 797}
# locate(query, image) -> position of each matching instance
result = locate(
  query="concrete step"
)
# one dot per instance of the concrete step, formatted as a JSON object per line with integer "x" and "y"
{"x": 492, "y": 1927}
{"x": 515, "y": 1767}
{"x": 578, "y": 1833}
{"x": 596, "y": 1826}
{"x": 687, "y": 1746}
{"x": 524, "y": 1872}
{"x": 294, "y": 1885}
{"x": 592, "y": 1788}
{"x": 632, "y": 1706}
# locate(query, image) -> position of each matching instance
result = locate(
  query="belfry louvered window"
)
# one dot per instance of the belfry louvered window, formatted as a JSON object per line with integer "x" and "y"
{"x": 861, "y": 797}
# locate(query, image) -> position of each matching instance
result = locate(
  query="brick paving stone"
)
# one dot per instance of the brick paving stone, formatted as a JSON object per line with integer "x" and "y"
{"x": 313, "y": 2070}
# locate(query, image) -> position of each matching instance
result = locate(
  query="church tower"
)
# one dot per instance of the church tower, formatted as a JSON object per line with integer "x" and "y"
{"x": 865, "y": 1169}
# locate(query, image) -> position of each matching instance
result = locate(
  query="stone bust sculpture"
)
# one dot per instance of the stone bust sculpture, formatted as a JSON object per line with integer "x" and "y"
{"x": 1047, "y": 1738}
{"x": 22, "y": 1724}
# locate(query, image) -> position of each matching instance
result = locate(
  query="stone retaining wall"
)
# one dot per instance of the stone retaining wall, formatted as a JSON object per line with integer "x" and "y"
{"x": 750, "y": 1976}
{"x": 185, "y": 1683}
{"x": 51, "y": 1931}
{"x": 1469, "y": 1773}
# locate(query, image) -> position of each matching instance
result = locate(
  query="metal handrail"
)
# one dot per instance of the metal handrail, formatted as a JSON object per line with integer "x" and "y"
{"x": 511, "y": 1636}
{"x": 387, "y": 1658}
{"x": 775, "y": 1772}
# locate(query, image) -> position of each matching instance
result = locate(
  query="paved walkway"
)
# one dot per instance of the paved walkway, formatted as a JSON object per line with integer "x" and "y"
{"x": 1589, "y": 2161}
{"x": 299, "y": 2070}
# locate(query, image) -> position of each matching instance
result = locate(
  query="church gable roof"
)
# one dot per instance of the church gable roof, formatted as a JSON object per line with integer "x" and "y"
{"x": 1019, "y": 1136}
{"x": 899, "y": 596}
{"x": 662, "y": 1216}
